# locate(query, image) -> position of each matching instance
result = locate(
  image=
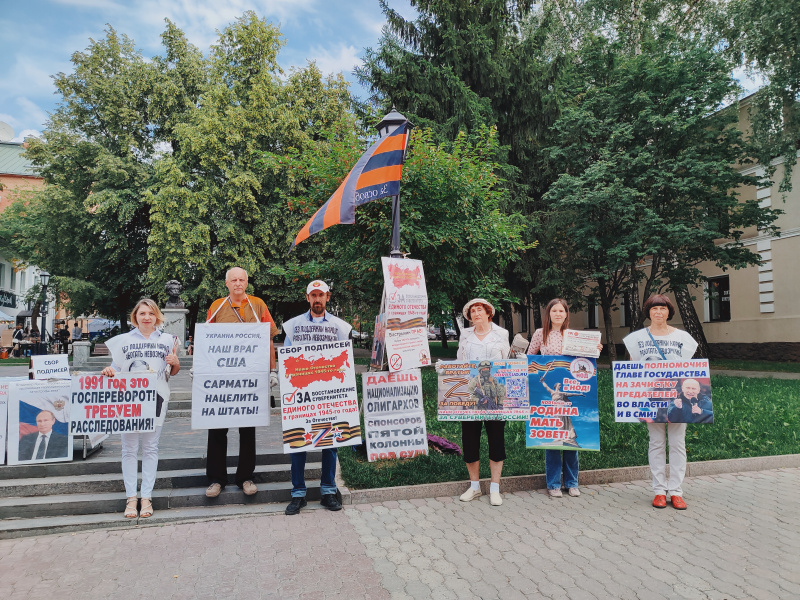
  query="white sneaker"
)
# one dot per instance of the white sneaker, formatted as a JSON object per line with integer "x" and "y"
{"x": 574, "y": 492}
{"x": 470, "y": 494}
{"x": 556, "y": 493}
{"x": 495, "y": 499}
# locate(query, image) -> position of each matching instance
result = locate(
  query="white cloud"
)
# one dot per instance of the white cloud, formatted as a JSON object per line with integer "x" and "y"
{"x": 31, "y": 111}
{"x": 26, "y": 133}
{"x": 336, "y": 60}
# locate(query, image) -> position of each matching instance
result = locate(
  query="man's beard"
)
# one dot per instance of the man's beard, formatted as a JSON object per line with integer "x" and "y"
{"x": 317, "y": 308}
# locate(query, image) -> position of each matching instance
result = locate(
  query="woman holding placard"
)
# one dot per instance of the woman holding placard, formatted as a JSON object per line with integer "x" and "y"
{"x": 548, "y": 341}
{"x": 483, "y": 341}
{"x": 161, "y": 359}
{"x": 663, "y": 342}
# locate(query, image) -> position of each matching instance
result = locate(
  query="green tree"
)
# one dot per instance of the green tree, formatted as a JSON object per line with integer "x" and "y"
{"x": 764, "y": 36}
{"x": 648, "y": 167}
{"x": 452, "y": 218}
{"x": 215, "y": 203}
{"x": 88, "y": 225}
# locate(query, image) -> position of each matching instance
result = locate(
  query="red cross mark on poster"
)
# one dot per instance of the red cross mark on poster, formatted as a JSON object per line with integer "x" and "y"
{"x": 396, "y": 362}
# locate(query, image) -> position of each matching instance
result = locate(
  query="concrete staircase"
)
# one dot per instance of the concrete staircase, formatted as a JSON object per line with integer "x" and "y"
{"x": 88, "y": 494}
{"x": 58, "y": 497}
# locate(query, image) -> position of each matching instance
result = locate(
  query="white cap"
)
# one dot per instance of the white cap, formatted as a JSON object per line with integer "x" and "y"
{"x": 318, "y": 285}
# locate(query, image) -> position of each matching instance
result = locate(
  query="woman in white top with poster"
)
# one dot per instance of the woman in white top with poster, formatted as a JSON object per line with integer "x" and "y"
{"x": 157, "y": 354}
{"x": 663, "y": 342}
{"x": 483, "y": 341}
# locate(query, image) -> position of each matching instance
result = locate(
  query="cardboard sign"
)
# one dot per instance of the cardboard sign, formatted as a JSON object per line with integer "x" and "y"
{"x": 319, "y": 399}
{"x": 672, "y": 391}
{"x": 39, "y": 409}
{"x": 50, "y": 366}
{"x": 407, "y": 348}
{"x": 230, "y": 387}
{"x": 394, "y": 418}
{"x": 483, "y": 390}
{"x": 124, "y": 403}
{"x": 564, "y": 412}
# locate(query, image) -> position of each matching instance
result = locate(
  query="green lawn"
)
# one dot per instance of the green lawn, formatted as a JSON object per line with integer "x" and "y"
{"x": 754, "y": 417}
{"x": 9, "y": 362}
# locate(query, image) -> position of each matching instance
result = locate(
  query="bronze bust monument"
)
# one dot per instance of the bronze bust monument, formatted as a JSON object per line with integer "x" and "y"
{"x": 174, "y": 288}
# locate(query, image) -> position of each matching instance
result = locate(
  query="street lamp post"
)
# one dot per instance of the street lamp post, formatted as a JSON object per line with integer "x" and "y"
{"x": 388, "y": 124}
{"x": 44, "y": 276}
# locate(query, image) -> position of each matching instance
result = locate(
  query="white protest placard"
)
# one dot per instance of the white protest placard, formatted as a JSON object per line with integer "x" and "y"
{"x": 125, "y": 403}
{"x": 231, "y": 375}
{"x": 5, "y": 383}
{"x": 406, "y": 294}
{"x": 394, "y": 418}
{"x": 50, "y": 366}
{"x": 670, "y": 391}
{"x": 581, "y": 343}
{"x": 319, "y": 399}
{"x": 407, "y": 348}
{"x": 38, "y": 422}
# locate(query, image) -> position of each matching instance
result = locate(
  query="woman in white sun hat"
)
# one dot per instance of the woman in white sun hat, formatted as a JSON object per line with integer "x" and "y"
{"x": 483, "y": 341}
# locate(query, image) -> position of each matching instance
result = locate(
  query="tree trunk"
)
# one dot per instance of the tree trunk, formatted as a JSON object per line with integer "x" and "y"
{"x": 443, "y": 332}
{"x": 634, "y": 307}
{"x": 123, "y": 321}
{"x": 537, "y": 316}
{"x": 610, "y": 343}
{"x": 691, "y": 322}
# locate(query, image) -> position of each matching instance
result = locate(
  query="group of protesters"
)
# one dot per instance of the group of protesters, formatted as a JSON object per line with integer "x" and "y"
{"x": 483, "y": 341}
{"x": 487, "y": 341}
{"x": 236, "y": 307}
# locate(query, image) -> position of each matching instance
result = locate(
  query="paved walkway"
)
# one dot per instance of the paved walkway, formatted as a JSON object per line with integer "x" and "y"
{"x": 739, "y": 539}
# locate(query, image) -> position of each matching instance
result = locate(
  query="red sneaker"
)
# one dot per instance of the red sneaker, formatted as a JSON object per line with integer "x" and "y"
{"x": 660, "y": 501}
{"x": 677, "y": 502}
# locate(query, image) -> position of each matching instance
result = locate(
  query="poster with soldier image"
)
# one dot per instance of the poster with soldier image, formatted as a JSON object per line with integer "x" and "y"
{"x": 479, "y": 390}
{"x": 564, "y": 412}
{"x": 38, "y": 422}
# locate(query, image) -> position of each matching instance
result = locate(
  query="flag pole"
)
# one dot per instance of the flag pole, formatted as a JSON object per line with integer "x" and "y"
{"x": 388, "y": 124}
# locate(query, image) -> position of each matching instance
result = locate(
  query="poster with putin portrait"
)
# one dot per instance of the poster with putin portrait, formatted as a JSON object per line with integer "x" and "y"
{"x": 38, "y": 422}
{"x": 666, "y": 391}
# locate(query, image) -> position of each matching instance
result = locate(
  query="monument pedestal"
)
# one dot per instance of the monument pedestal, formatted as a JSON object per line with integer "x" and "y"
{"x": 175, "y": 324}
{"x": 80, "y": 353}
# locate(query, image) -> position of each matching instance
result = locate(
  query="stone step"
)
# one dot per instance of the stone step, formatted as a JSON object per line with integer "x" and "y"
{"x": 164, "y": 499}
{"x": 16, "y": 528}
{"x": 111, "y": 464}
{"x": 112, "y": 482}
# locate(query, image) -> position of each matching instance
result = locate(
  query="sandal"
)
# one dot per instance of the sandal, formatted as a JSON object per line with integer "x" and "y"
{"x": 147, "y": 508}
{"x": 130, "y": 508}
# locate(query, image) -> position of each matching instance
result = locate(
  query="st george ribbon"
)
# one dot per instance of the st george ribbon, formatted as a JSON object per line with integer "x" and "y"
{"x": 376, "y": 175}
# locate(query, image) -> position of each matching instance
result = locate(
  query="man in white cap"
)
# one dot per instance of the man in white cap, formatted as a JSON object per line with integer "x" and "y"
{"x": 316, "y": 325}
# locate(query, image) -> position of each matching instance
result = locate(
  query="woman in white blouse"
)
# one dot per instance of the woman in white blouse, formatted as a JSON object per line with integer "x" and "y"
{"x": 483, "y": 341}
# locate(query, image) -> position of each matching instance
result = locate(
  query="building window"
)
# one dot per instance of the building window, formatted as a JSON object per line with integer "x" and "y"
{"x": 523, "y": 318}
{"x": 591, "y": 321}
{"x": 719, "y": 299}
{"x": 22, "y": 282}
{"x": 2, "y": 275}
{"x": 13, "y": 279}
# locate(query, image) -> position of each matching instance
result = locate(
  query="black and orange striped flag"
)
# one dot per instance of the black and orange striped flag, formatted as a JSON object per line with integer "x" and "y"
{"x": 376, "y": 175}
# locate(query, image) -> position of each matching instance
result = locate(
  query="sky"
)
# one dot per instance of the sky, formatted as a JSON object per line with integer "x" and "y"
{"x": 37, "y": 38}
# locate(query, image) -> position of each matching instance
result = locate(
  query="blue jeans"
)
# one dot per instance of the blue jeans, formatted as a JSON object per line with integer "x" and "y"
{"x": 327, "y": 480}
{"x": 556, "y": 461}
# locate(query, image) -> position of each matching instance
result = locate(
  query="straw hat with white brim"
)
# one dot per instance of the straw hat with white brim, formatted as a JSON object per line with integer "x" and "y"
{"x": 477, "y": 301}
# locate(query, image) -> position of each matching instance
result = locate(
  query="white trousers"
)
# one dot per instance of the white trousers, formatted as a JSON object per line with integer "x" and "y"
{"x": 130, "y": 462}
{"x": 658, "y": 457}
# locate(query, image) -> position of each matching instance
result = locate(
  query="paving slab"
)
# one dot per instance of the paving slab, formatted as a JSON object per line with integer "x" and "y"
{"x": 739, "y": 539}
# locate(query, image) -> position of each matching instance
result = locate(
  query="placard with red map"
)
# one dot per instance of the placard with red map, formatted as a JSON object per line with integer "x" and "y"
{"x": 319, "y": 400}
{"x": 406, "y": 294}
